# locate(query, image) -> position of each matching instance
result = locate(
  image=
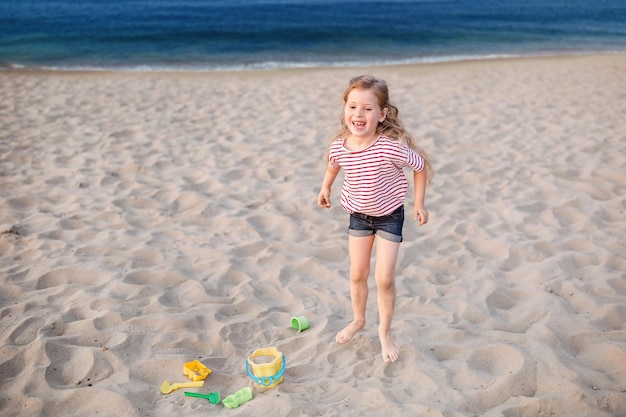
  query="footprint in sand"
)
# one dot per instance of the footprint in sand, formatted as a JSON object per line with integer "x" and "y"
{"x": 272, "y": 226}
{"x": 564, "y": 405}
{"x": 68, "y": 276}
{"x": 72, "y": 366}
{"x": 603, "y": 358}
{"x": 509, "y": 310}
{"x": 24, "y": 203}
{"x": 5, "y": 322}
{"x": 27, "y": 331}
{"x": 68, "y": 364}
{"x": 609, "y": 359}
{"x": 241, "y": 335}
{"x": 167, "y": 279}
{"x": 491, "y": 375}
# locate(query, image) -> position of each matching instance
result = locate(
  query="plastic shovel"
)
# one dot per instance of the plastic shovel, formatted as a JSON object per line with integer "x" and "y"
{"x": 213, "y": 397}
{"x": 166, "y": 388}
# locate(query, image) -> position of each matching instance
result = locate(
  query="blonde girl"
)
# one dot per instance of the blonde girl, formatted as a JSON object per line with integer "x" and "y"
{"x": 372, "y": 147}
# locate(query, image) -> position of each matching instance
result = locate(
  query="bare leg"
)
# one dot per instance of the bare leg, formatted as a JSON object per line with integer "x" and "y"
{"x": 386, "y": 257}
{"x": 360, "y": 249}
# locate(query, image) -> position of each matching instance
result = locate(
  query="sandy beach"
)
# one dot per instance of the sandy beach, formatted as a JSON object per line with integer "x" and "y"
{"x": 150, "y": 219}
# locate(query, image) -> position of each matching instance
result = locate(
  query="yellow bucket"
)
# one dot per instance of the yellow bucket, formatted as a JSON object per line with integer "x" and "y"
{"x": 267, "y": 374}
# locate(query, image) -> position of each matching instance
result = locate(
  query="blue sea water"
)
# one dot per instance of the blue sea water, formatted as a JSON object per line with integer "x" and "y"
{"x": 241, "y": 34}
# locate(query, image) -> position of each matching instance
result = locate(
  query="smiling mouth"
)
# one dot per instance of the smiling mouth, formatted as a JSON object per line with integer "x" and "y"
{"x": 359, "y": 125}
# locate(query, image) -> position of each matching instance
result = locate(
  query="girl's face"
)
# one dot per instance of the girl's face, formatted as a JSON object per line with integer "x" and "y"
{"x": 362, "y": 114}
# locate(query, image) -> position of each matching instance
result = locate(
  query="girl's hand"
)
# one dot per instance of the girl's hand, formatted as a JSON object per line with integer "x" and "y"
{"x": 323, "y": 199}
{"x": 420, "y": 214}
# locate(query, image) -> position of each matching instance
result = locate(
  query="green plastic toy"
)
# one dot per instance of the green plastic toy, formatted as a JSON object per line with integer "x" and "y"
{"x": 213, "y": 397}
{"x": 238, "y": 398}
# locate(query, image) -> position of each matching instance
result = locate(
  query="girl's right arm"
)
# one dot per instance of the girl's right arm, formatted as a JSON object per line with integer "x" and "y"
{"x": 323, "y": 199}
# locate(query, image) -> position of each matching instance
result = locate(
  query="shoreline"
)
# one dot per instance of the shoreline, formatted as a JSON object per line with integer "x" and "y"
{"x": 244, "y": 70}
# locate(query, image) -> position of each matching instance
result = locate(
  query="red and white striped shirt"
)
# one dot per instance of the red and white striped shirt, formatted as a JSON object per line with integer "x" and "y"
{"x": 374, "y": 182}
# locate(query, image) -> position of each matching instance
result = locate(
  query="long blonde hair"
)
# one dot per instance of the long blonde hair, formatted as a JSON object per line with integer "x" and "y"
{"x": 392, "y": 126}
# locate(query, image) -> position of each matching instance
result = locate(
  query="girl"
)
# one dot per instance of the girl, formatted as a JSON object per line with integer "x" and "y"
{"x": 373, "y": 147}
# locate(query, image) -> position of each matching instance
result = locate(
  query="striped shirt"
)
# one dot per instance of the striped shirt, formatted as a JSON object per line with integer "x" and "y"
{"x": 374, "y": 182}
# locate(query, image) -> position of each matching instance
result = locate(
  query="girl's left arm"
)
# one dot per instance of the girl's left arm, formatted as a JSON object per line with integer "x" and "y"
{"x": 419, "y": 209}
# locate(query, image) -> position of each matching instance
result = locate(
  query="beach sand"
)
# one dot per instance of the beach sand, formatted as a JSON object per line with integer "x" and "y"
{"x": 150, "y": 219}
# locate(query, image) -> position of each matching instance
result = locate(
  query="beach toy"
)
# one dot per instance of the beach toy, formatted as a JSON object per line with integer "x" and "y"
{"x": 268, "y": 374}
{"x": 300, "y": 323}
{"x": 166, "y": 388}
{"x": 238, "y": 398}
{"x": 196, "y": 371}
{"x": 213, "y": 397}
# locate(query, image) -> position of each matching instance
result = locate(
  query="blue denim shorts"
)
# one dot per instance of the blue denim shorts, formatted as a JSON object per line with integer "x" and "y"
{"x": 388, "y": 227}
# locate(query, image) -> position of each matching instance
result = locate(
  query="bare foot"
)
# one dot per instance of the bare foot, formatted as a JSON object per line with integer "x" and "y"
{"x": 389, "y": 349}
{"x": 349, "y": 331}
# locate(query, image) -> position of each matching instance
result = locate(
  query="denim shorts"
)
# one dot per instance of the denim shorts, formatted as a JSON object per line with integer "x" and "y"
{"x": 388, "y": 227}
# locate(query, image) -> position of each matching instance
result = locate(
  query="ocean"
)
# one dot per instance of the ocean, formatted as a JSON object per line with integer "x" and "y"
{"x": 205, "y": 35}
